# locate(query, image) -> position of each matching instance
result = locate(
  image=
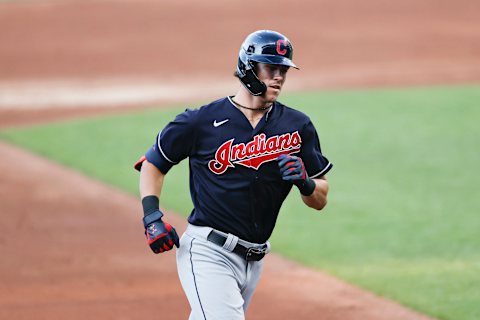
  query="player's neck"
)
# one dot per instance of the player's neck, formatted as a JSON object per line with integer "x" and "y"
{"x": 251, "y": 105}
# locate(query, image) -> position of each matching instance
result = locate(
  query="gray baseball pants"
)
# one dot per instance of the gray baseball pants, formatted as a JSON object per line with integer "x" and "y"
{"x": 219, "y": 284}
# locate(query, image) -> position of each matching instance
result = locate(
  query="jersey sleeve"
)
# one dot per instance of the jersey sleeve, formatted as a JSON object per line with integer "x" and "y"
{"x": 315, "y": 163}
{"x": 173, "y": 144}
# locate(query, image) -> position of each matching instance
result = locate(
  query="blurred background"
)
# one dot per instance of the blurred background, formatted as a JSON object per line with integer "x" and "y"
{"x": 392, "y": 87}
{"x": 94, "y": 54}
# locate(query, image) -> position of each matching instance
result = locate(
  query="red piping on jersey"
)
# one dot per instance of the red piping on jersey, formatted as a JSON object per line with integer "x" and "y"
{"x": 138, "y": 164}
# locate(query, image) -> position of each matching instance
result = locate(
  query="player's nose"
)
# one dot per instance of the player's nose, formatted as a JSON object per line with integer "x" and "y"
{"x": 279, "y": 73}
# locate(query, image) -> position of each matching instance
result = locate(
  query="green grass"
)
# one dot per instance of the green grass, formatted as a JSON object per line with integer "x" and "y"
{"x": 402, "y": 218}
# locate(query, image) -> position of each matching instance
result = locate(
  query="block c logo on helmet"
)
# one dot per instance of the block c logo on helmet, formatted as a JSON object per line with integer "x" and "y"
{"x": 282, "y": 43}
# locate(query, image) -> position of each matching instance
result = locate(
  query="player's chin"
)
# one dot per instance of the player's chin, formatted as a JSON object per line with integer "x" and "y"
{"x": 272, "y": 94}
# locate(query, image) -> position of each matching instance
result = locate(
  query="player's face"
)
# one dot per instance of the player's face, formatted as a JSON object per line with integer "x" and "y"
{"x": 274, "y": 77}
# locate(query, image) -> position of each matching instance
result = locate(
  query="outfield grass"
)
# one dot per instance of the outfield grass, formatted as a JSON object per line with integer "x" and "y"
{"x": 402, "y": 218}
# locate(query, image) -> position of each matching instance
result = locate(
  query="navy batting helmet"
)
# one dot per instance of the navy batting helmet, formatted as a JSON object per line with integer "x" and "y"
{"x": 263, "y": 46}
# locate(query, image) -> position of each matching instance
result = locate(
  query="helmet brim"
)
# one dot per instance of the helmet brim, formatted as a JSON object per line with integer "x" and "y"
{"x": 272, "y": 59}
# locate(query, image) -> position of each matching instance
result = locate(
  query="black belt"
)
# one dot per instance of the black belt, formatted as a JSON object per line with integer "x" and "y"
{"x": 249, "y": 254}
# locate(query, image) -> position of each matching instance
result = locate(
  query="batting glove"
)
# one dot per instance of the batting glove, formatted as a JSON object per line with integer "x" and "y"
{"x": 292, "y": 169}
{"x": 161, "y": 236}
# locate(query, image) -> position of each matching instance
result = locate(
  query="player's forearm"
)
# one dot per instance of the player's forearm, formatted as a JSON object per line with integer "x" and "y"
{"x": 151, "y": 180}
{"x": 318, "y": 199}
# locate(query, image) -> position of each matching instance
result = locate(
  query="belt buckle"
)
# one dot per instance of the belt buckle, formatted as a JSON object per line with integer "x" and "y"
{"x": 255, "y": 254}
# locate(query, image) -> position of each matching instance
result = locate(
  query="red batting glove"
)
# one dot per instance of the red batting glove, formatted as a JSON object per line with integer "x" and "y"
{"x": 161, "y": 236}
{"x": 292, "y": 169}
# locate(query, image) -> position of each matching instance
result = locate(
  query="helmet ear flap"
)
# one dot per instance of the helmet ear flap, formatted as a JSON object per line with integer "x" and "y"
{"x": 253, "y": 84}
{"x": 248, "y": 77}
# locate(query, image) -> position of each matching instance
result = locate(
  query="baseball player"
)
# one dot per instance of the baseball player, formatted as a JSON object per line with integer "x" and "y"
{"x": 245, "y": 153}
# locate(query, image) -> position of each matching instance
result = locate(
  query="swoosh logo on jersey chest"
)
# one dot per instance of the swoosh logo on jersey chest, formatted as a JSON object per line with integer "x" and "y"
{"x": 218, "y": 124}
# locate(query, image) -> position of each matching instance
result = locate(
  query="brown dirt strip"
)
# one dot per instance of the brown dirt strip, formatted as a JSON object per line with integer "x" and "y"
{"x": 171, "y": 39}
{"x": 73, "y": 248}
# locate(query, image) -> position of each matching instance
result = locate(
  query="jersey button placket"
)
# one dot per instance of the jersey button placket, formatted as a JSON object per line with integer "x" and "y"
{"x": 254, "y": 201}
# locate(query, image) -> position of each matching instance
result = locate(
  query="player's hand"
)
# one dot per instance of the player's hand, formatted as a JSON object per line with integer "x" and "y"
{"x": 292, "y": 169}
{"x": 161, "y": 236}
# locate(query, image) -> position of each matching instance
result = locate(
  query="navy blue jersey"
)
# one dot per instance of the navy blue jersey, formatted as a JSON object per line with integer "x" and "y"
{"x": 235, "y": 182}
